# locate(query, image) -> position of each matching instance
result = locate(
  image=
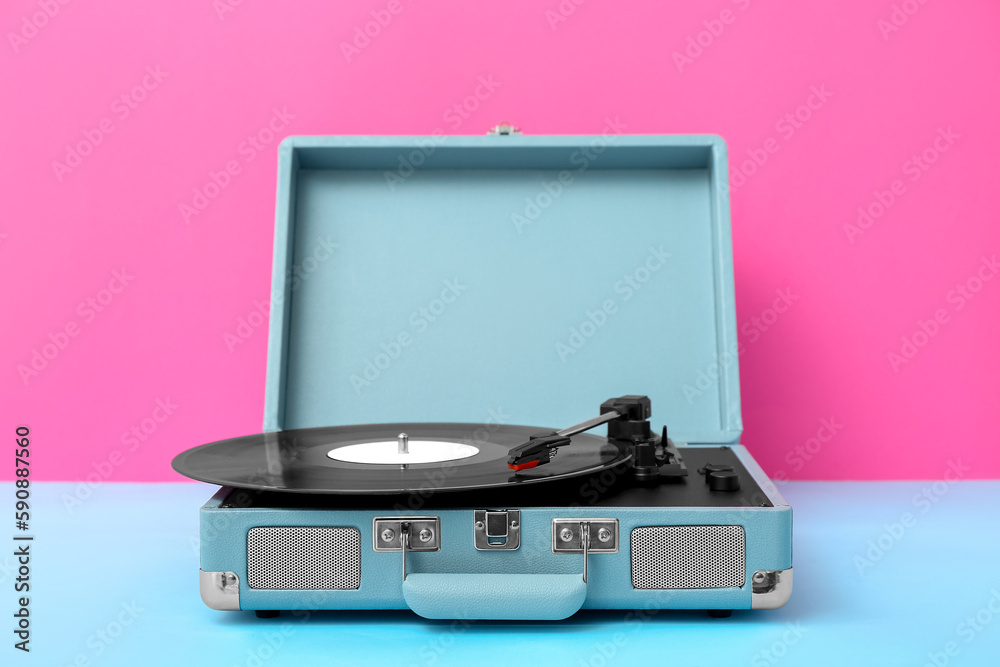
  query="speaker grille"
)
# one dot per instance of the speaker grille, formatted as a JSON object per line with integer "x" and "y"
{"x": 688, "y": 557}
{"x": 304, "y": 558}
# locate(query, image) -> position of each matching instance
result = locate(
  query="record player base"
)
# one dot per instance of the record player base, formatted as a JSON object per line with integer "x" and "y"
{"x": 672, "y": 555}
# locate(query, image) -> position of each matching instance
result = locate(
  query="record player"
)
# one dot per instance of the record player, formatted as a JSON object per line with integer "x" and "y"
{"x": 433, "y": 294}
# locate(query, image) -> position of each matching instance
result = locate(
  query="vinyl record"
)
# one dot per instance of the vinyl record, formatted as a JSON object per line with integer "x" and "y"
{"x": 366, "y": 459}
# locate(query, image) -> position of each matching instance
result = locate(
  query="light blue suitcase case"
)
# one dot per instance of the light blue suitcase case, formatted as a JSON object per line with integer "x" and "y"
{"x": 503, "y": 279}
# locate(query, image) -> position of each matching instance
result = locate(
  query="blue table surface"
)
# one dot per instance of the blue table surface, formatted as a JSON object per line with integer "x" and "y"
{"x": 886, "y": 573}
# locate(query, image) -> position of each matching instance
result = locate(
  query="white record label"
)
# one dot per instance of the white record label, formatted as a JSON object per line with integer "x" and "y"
{"x": 386, "y": 452}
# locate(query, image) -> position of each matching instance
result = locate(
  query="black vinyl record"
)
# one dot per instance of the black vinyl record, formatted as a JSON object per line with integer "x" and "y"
{"x": 325, "y": 460}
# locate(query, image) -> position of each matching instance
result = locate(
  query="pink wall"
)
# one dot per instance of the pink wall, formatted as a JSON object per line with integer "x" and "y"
{"x": 171, "y": 92}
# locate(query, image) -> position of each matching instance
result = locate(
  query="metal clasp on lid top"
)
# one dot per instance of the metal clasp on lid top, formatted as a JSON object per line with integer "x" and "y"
{"x": 504, "y": 129}
{"x": 497, "y": 529}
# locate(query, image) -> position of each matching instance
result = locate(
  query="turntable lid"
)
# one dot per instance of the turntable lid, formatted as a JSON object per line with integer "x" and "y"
{"x": 519, "y": 279}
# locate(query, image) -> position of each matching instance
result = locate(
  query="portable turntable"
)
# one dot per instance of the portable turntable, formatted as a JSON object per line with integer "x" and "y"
{"x": 432, "y": 293}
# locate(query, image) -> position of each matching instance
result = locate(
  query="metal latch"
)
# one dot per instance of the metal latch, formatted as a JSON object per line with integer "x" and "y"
{"x": 497, "y": 529}
{"x": 504, "y": 129}
{"x": 406, "y": 533}
{"x": 585, "y": 536}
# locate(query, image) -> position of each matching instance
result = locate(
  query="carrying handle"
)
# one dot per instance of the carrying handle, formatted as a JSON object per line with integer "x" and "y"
{"x": 488, "y": 596}
{"x": 540, "y": 597}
